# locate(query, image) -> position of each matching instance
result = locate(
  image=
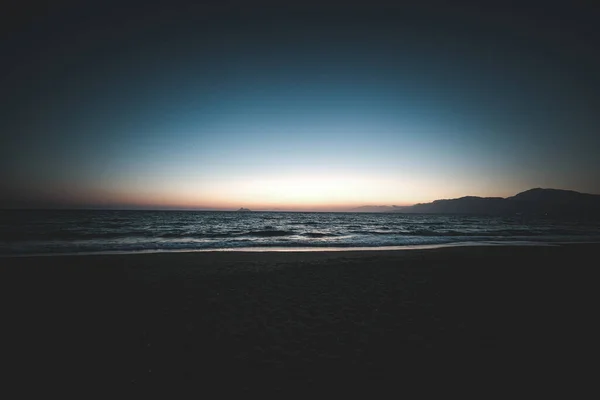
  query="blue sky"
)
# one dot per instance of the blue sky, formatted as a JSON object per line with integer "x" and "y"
{"x": 298, "y": 111}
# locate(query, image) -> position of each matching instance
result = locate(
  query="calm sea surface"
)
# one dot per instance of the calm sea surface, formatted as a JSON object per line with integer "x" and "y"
{"x": 84, "y": 231}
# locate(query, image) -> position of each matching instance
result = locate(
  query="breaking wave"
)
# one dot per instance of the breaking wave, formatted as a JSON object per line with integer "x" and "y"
{"x": 124, "y": 231}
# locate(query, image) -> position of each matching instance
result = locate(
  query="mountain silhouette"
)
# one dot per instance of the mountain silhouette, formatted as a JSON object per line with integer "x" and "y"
{"x": 537, "y": 201}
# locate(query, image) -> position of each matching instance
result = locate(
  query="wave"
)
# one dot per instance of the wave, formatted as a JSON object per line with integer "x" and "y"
{"x": 199, "y": 235}
{"x": 61, "y": 235}
{"x": 88, "y": 234}
{"x": 125, "y": 231}
{"x": 104, "y": 246}
{"x": 318, "y": 234}
{"x": 367, "y": 232}
{"x": 269, "y": 233}
{"x": 429, "y": 232}
{"x": 470, "y": 233}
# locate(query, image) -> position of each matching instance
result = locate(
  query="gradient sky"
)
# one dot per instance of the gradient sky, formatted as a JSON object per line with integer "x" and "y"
{"x": 303, "y": 107}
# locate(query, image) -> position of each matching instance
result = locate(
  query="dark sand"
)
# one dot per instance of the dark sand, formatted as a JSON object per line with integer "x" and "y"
{"x": 234, "y": 321}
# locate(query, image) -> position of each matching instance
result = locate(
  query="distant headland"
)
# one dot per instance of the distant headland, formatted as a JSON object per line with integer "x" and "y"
{"x": 534, "y": 201}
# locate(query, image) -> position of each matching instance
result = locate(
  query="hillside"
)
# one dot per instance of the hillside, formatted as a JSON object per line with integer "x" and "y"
{"x": 533, "y": 201}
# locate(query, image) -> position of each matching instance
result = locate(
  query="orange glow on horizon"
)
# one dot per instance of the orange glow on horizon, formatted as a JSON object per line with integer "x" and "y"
{"x": 272, "y": 193}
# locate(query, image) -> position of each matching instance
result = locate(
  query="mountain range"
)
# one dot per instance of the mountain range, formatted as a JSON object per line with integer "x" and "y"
{"x": 536, "y": 201}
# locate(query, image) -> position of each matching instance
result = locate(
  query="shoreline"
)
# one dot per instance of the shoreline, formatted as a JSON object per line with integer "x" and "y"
{"x": 280, "y": 249}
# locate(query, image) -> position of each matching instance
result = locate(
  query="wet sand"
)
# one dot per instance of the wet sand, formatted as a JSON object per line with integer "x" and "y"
{"x": 269, "y": 321}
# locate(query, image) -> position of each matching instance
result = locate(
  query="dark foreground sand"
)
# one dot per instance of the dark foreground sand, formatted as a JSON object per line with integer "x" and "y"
{"x": 238, "y": 321}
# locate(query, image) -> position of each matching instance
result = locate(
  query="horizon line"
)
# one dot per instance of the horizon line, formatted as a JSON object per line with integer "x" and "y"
{"x": 334, "y": 209}
{"x": 178, "y": 209}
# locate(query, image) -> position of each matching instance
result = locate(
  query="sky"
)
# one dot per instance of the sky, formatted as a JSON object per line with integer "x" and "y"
{"x": 308, "y": 106}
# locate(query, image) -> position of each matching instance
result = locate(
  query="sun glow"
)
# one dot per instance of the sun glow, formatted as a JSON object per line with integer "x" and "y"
{"x": 308, "y": 190}
{"x": 312, "y": 192}
{"x": 294, "y": 192}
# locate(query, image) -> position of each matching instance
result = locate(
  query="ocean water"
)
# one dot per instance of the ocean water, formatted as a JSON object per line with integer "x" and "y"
{"x": 95, "y": 231}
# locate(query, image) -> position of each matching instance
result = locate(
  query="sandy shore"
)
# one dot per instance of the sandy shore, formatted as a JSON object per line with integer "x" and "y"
{"x": 253, "y": 318}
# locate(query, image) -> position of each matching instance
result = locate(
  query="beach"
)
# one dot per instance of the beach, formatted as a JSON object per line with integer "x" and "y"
{"x": 248, "y": 317}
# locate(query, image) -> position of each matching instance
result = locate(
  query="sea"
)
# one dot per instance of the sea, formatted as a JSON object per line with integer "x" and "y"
{"x": 45, "y": 232}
